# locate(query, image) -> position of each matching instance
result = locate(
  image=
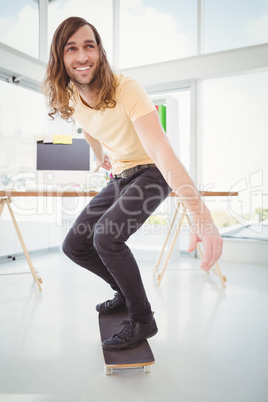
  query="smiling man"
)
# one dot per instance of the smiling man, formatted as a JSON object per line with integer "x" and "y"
{"x": 117, "y": 115}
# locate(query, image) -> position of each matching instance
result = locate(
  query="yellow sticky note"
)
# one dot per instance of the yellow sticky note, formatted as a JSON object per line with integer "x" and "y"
{"x": 62, "y": 139}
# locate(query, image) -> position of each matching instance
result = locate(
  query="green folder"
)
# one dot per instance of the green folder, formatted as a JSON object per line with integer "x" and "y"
{"x": 162, "y": 115}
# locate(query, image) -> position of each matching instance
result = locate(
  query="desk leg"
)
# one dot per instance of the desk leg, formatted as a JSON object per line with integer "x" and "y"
{"x": 166, "y": 240}
{"x": 37, "y": 279}
{"x": 160, "y": 276}
{"x": 2, "y": 204}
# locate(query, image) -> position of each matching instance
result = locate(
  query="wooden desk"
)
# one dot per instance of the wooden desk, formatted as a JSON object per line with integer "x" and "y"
{"x": 216, "y": 269}
{"x": 42, "y": 193}
{"x": 5, "y": 199}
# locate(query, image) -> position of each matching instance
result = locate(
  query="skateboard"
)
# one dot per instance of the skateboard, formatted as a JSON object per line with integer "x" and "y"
{"x": 140, "y": 356}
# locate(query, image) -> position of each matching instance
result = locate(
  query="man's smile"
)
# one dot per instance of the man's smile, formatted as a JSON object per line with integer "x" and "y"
{"x": 84, "y": 68}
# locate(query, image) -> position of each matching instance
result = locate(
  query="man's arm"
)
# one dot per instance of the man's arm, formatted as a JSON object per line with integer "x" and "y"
{"x": 102, "y": 159}
{"x": 160, "y": 151}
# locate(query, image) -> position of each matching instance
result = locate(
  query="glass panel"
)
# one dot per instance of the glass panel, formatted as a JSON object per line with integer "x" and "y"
{"x": 98, "y": 13}
{"x": 184, "y": 114}
{"x": 18, "y": 130}
{"x": 19, "y": 25}
{"x": 152, "y": 31}
{"x": 235, "y": 147}
{"x": 234, "y": 23}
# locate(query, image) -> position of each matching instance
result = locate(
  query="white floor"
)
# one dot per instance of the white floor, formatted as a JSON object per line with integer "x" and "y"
{"x": 212, "y": 344}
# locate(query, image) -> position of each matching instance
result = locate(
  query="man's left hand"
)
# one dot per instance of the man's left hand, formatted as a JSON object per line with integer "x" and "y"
{"x": 204, "y": 230}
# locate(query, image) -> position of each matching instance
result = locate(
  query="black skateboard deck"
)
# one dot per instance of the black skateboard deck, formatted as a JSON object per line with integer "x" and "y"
{"x": 140, "y": 356}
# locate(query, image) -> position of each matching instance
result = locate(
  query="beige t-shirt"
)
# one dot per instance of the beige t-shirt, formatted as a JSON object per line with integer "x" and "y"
{"x": 114, "y": 128}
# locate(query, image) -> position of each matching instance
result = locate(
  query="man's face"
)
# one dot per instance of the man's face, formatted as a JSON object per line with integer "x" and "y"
{"x": 81, "y": 56}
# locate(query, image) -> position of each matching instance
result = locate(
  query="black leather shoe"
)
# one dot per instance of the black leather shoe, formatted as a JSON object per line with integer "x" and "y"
{"x": 132, "y": 334}
{"x": 112, "y": 306}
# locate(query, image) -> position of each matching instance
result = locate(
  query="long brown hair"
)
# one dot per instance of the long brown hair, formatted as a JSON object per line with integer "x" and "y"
{"x": 56, "y": 85}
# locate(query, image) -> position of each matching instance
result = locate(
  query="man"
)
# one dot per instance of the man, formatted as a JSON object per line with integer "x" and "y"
{"x": 116, "y": 113}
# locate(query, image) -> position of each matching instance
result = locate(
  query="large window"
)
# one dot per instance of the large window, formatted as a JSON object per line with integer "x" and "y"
{"x": 235, "y": 122}
{"x": 155, "y": 31}
{"x": 150, "y": 31}
{"x": 22, "y": 117}
{"x": 19, "y": 25}
{"x": 234, "y": 23}
{"x": 98, "y": 13}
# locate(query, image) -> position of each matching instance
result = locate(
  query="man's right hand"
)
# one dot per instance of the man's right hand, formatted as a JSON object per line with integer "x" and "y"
{"x": 104, "y": 163}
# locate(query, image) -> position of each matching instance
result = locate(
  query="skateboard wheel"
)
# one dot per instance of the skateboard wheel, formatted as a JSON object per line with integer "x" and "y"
{"x": 108, "y": 370}
{"x": 147, "y": 369}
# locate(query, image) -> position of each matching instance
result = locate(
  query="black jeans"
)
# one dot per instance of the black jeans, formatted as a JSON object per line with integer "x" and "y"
{"x": 97, "y": 239}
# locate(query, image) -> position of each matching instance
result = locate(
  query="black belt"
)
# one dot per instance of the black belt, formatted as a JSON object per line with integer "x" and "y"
{"x": 130, "y": 171}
